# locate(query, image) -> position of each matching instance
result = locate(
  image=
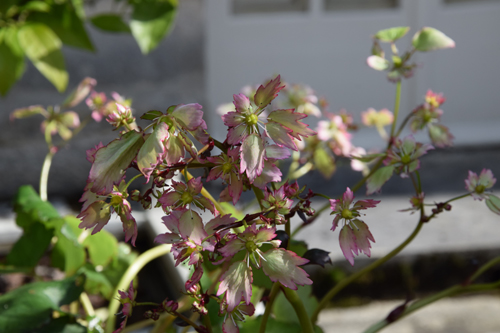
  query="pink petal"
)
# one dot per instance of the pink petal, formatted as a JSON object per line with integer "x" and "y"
{"x": 169, "y": 199}
{"x": 290, "y": 119}
{"x": 189, "y": 116}
{"x": 252, "y": 156}
{"x": 168, "y": 238}
{"x": 191, "y": 226}
{"x": 265, "y": 94}
{"x": 195, "y": 278}
{"x": 175, "y": 150}
{"x": 241, "y": 103}
{"x": 235, "y": 187}
{"x": 237, "y": 134}
{"x": 280, "y": 135}
{"x": 153, "y": 150}
{"x": 112, "y": 160}
{"x": 95, "y": 216}
{"x": 269, "y": 174}
{"x": 363, "y": 237}
{"x": 281, "y": 265}
{"x": 237, "y": 283}
{"x": 171, "y": 221}
{"x": 277, "y": 152}
{"x": 348, "y": 244}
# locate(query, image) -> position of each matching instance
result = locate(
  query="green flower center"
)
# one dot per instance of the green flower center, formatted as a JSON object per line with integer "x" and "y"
{"x": 405, "y": 159}
{"x": 115, "y": 200}
{"x": 346, "y": 214}
{"x": 480, "y": 189}
{"x": 251, "y": 247}
{"x": 226, "y": 167}
{"x": 427, "y": 116}
{"x": 186, "y": 198}
{"x": 252, "y": 119}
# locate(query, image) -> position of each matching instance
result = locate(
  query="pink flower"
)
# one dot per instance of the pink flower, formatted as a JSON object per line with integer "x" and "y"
{"x": 122, "y": 116}
{"x": 477, "y": 185}
{"x": 334, "y": 132}
{"x": 96, "y": 212}
{"x": 227, "y": 168}
{"x": 97, "y": 103}
{"x": 127, "y": 299}
{"x": 182, "y": 195}
{"x": 433, "y": 99}
{"x": 277, "y": 202}
{"x": 355, "y": 236}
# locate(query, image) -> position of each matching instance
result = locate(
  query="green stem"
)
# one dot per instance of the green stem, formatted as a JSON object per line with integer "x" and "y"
{"x": 207, "y": 322}
{"x": 129, "y": 275}
{"x": 86, "y": 304}
{"x": 131, "y": 180}
{"x": 484, "y": 268}
{"x": 345, "y": 282}
{"x": 44, "y": 175}
{"x": 452, "y": 291}
{"x": 396, "y": 107}
{"x": 302, "y": 171}
{"x": 269, "y": 306}
{"x": 300, "y": 310}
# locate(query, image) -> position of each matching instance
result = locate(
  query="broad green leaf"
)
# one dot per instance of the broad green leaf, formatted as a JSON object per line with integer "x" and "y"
{"x": 79, "y": 10}
{"x": 493, "y": 203}
{"x": 66, "y": 23}
{"x": 30, "y": 208}
{"x": 377, "y": 63}
{"x": 43, "y": 48}
{"x": 28, "y": 250}
{"x": 324, "y": 162}
{"x": 391, "y": 34}
{"x": 430, "y": 39}
{"x": 282, "y": 309}
{"x": 151, "y": 21}
{"x": 11, "y": 59}
{"x": 110, "y": 22}
{"x": 102, "y": 248}
{"x": 68, "y": 254}
{"x": 230, "y": 209}
{"x": 27, "y": 308}
{"x": 152, "y": 115}
{"x": 97, "y": 282}
{"x": 379, "y": 178}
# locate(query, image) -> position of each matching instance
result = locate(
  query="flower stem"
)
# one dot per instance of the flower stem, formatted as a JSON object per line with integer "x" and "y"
{"x": 396, "y": 107}
{"x": 452, "y": 291}
{"x": 86, "y": 304}
{"x": 300, "y": 310}
{"x": 269, "y": 306}
{"x": 345, "y": 282}
{"x": 44, "y": 175}
{"x": 131, "y": 180}
{"x": 129, "y": 275}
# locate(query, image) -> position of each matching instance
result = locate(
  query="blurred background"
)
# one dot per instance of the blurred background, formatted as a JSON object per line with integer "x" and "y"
{"x": 219, "y": 46}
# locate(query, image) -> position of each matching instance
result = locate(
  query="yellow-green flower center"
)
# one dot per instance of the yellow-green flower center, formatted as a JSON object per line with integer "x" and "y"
{"x": 252, "y": 119}
{"x": 480, "y": 189}
{"x": 406, "y": 159}
{"x": 251, "y": 246}
{"x": 226, "y": 167}
{"x": 115, "y": 200}
{"x": 346, "y": 213}
{"x": 186, "y": 198}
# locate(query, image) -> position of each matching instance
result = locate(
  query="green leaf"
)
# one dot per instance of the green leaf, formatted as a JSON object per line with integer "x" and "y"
{"x": 96, "y": 282}
{"x": 28, "y": 307}
{"x": 391, "y": 34}
{"x": 379, "y": 178}
{"x": 115, "y": 270}
{"x": 151, "y": 21}
{"x": 11, "y": 59}
{"x": 30, "y": 208}
{"x": 430, "y": 39}
{"x": 5, "y": 5}
{"x": 367, "y": 158}
{"x": 28, "y": 250}
{"x": 152, "y": 115}
{"x": 493, "y": 203}
{"x": 282, "y": 308}
{"x": 324, "y": 162}
{"x": 68, "y": 254}
{"x": 102, "y": 248}
{"x": 67, "y": 24}
{"x": 43, "y": 48}
{"x": 110, "y": 22}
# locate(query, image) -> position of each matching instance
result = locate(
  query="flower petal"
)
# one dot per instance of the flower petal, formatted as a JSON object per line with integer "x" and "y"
{"x": 252, "y": 156}
{"x": 281, "y": 265}
{"x": 265, "y": 94}
{"x": 191, "y": 226}
{"x": 189, "y": 116}
{"x": 153, "y": 150}
{"x": 237, "y": 283}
